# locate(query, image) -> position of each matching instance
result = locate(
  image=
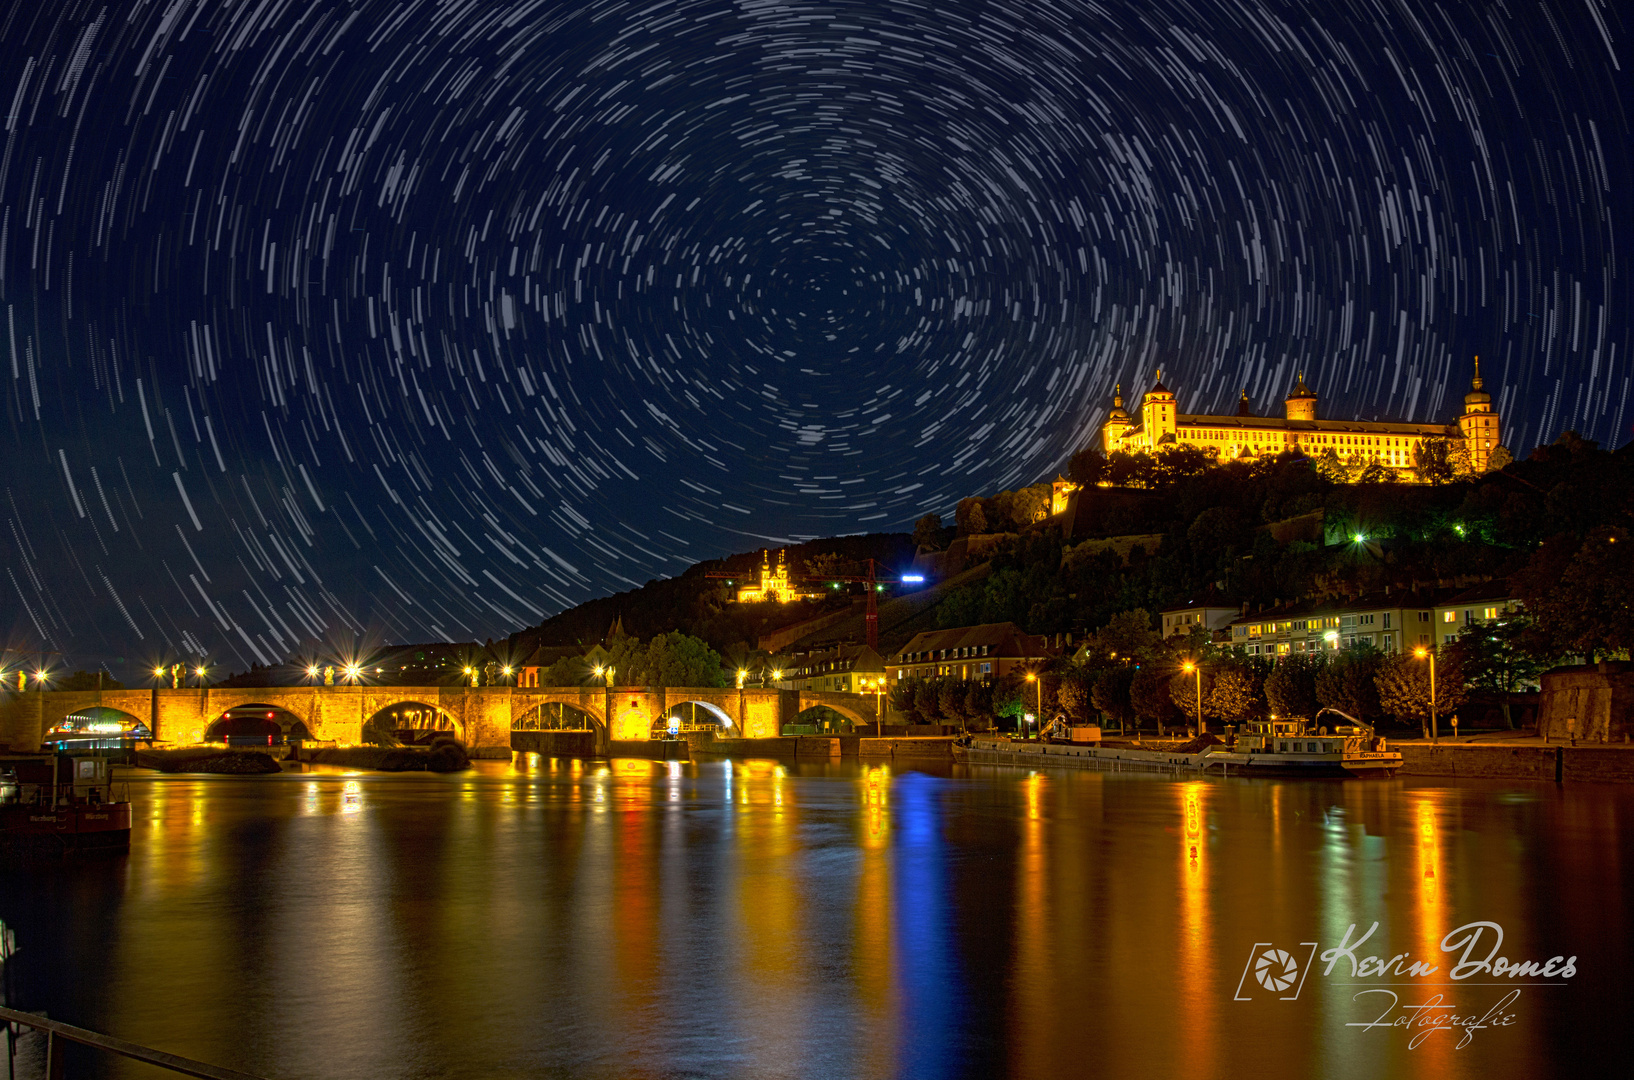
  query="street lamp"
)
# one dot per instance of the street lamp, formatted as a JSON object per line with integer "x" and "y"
{"x": 1421, "y": 652}
{"x": 743, "y": 673}
{"x": 1191, "y": 668}
{"x": 879, "y": 705}
{"x": 199, "y": 672}
{"x": 1032, "y": 677}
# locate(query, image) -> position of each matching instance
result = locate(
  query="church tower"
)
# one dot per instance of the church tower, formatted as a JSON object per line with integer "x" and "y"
{"x": 1158, "y": 420}
{"x": 1479, "y": 424}
{"x": 1117, "y": 423}
{"x": 1301, "y": 404}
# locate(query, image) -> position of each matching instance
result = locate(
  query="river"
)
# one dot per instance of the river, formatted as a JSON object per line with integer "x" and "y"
{"x": 651, "y": 919}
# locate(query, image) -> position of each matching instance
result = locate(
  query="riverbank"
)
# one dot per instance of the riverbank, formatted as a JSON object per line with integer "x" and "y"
{"x": 1517, "y": 757}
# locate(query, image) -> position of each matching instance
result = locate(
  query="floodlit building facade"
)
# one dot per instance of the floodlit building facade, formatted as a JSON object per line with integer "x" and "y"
{"x": 774, "y": 583}
{"x": 1159, "y": 424}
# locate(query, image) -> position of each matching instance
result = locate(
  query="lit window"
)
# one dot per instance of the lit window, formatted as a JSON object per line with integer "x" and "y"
{"x": 1449, "y": 616}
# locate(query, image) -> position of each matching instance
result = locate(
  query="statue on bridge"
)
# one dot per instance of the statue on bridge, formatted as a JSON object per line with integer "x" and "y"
{"x": 176, "y": 672}
{"x": 329, "y": 675}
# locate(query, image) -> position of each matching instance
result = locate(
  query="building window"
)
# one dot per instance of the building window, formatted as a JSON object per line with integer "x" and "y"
{"x": 987, "y": 669}
{"x": 1449, "y": 616}
{"x": 1491, "y": 613}
{"x": 1387, "y": 620}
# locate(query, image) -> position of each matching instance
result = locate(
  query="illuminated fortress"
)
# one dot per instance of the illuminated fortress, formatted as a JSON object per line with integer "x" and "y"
{"x": 1355, "y": 442}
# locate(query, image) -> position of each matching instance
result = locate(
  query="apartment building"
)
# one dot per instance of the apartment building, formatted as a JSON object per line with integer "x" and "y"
{"x": 1179, "y": 619}
{"x": 846, "y": 668}
{"x": 1480, "y": 606}
{"x": 988, "y": 651}
{"x": 1389, "y": 622}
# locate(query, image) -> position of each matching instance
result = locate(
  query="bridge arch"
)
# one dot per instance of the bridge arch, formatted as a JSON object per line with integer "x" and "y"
{"x": 256, "y": 723}
{"x": 845, "y": 705}
{"x": 97, "y": 726}
{"x": 555, "y": 716}
{"x": 821, "y": 720}
{"x": 412, "y": 722}
{"x": 692, "y": 715}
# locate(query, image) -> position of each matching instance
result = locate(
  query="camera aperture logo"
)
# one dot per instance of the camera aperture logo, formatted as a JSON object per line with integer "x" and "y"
{"x": 1409, "y": 995}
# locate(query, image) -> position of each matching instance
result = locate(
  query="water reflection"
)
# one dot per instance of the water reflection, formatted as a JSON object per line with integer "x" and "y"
{"x": 759, "y": 918}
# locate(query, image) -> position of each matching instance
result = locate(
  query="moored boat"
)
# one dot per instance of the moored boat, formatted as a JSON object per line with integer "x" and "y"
{"x": 1292, "y": 748}
{"x": 60, "y": 802}
{"x": 1265, "y": 747}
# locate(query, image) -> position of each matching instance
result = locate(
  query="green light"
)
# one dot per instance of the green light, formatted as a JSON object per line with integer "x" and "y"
{"x": 1360, "y": 538}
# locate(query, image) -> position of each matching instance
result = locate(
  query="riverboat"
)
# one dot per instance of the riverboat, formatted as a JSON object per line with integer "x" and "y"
{"x": 60, "y": 802}
{"x": 1292, "y": 748}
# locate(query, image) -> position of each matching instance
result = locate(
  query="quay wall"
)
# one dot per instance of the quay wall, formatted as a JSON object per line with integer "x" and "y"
{"x": 1553, "y": 763}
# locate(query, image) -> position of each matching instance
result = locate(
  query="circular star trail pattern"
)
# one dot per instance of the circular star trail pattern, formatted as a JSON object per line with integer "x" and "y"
{"x": 422, "y": 320}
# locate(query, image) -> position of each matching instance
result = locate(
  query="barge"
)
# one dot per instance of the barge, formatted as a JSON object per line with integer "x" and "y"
{"x": 1268, "y": 747}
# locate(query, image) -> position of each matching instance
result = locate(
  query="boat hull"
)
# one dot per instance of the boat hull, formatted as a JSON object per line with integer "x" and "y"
{"x": 80, "y": 827}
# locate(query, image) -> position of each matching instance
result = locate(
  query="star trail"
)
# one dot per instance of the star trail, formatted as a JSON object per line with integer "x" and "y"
{"x": 422, "y": 320}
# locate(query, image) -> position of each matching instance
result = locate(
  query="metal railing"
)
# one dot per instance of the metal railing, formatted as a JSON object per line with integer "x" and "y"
{"x": 57, "y": 1034}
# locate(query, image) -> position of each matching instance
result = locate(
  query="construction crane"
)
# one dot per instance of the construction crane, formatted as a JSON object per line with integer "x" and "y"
{"x": 870, "y": 579}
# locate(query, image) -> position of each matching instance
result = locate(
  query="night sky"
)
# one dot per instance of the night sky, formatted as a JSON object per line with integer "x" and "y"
{"x": 422, "y": 320}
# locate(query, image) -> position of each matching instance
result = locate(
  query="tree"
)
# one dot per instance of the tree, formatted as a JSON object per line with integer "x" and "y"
{"x": 1073, "y": 693}
{"x": 1087, "y": 467}
{"x": 1330, "y": 467}
{"x": 1578, "y": 593}
{"x": 1375, "y": 472}
{"x": 1010, "y": 698}
{"x": 1433, "y": 460}
{"x": 677, "y": 659}
{"x": 1183, "y": 690}
{"x": 904, "y": 695}
{"x": 927, "y": 532}
{"x": 1505, "y": 657}
{"x": 927, "y": 701}
{"x": 1128, "y": 634}
{"x": 1290, "y": 689}
{"x": 1237, "y": 694}
{"x": 1124, "y": 469}
{"x": 1346, "y": 682}
{"x": 1403, "y": 682}
{"x": 972, "y": 518}
{"x": 1500, "y": 458}
{"x": 568, "y": 671}
{"x": 978, "y": 705}
{"x": 950, "y": 696}
{"x": 1181, "y": 461}
{"x": 1150, "y": 698}
{"x": 822, "y": 566}
{"x": 1110, "y": 694}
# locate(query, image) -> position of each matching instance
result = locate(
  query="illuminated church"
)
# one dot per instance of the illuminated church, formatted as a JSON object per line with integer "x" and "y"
{"x": 774, "y": 584}
{"x": 1160, "y": 424}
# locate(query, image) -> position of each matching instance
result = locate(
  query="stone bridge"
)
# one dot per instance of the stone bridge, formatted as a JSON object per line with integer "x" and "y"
{"x": 479, "y": 717}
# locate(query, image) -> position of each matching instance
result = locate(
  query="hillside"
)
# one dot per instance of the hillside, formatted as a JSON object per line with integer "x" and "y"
{"x": 698, "y": 604}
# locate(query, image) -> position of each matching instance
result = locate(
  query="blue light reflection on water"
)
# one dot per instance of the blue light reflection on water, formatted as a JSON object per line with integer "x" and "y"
{"x": 929, "y": 971}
